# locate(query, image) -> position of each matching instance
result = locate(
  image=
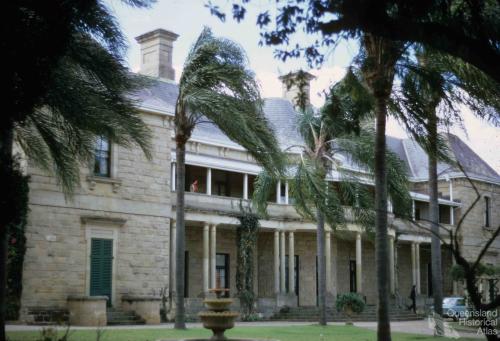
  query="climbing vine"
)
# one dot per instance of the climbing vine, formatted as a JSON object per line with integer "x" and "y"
{"x": 246, "y": 239}
{"x": 16, "y": 244}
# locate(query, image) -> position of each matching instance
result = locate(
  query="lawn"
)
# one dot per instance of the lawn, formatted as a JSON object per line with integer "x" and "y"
{"x": 292, "y": 333}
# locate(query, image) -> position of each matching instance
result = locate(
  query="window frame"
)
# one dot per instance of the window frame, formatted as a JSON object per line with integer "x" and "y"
{"x": 487, "y": 211}
{"x": 226, "y": 267}
{"x": 109, "y": 169}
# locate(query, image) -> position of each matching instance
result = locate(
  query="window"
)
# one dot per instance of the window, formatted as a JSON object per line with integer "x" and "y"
{"x": 196, "y": 179}
{"x": 251, "y": 181}
{"x": 227, "y": 184}
{"x": 282, "y": 193}
{"x": 102, "y": 161}
{"x": 487, "y": 212}
{"x": 417, "y": 213}
{"x": 444, "y": 214}
{"x": 222, "y": 270}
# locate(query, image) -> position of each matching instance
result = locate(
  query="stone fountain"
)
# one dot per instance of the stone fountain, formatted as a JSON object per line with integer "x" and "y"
{"x": 218, "y": 317}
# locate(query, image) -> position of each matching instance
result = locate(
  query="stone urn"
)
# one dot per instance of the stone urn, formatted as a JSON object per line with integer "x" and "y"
{"x": 348, "y": 312}
{"x": 218, "y": 317}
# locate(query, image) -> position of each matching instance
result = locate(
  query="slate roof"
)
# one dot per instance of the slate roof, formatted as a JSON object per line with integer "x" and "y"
{"x": 283, "y": 118}
{"x": 416, "y": 159}
{"x": 161, "y": 96}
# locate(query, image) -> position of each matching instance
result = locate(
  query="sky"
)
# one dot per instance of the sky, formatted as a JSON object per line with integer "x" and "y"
{"x": 188, "y": 17}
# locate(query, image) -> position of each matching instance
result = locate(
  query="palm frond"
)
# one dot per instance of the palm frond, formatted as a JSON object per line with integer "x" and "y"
{"x": 88, "y": 97}
{"x": 348, "y": 104}
{"x": 435, "y": 86}
{"x": 360, "y": 150}
{"x": 216, "y": 83}
{"x": 264, "y": 185}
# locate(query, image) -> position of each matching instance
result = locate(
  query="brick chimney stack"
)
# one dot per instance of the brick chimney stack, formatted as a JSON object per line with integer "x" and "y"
{"x": 156, "y": 53}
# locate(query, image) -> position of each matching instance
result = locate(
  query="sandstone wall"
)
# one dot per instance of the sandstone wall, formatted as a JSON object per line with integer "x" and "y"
{"x": 132, "y": 208}
{"x": 474, "y": 233}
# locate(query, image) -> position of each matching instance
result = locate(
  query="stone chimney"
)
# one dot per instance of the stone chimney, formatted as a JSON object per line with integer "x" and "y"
{"x": 296, "y": 86}
{"x": 156, "y": 53}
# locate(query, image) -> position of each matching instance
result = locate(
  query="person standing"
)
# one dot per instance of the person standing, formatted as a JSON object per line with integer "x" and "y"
{"x": 413, "y": 297}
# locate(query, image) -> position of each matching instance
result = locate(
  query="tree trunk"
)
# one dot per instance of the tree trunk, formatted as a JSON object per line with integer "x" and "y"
{"x": 3, "y": 281}
{"x": 381, "y": 236}
{"x": 437, "y": 277}
{"x": 378, "y": 71}
{"x": 180, "y": 226}
{"x": 489, "y": 330}
{"x": 6, "y": 169}
{"x": 320, "y": 244}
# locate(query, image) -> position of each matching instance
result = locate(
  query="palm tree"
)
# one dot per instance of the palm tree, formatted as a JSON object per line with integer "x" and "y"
{"x": 379, "y": 68}
{"x": 338, "y": 129}
{"x": 217, "y": 85}
{"x": 77, "y": 92}
{"x": 431, "y": 91}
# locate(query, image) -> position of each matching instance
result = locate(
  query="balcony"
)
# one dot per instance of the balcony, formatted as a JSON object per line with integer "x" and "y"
{"x": 217, "y": 190}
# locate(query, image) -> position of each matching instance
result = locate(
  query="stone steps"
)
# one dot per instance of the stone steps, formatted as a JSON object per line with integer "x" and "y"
{"x": 119, "y": 317}
{"x": 369, "y": 314}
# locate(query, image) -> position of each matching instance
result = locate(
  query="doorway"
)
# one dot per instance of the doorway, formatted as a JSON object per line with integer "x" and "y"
{"x": 101, "y": 268}
{"x": 429, "y": 279}
{"x": 352, "y": 276}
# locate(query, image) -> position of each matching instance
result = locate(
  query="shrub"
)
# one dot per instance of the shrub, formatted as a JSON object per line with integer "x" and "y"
{"x": 350, "y": 302}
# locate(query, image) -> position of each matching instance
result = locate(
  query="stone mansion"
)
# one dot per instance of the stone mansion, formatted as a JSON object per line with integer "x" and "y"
{"x": 116, "y": 236}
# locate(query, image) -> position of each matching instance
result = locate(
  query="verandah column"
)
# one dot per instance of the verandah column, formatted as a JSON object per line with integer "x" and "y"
{"x": 245, "y": 186}
{"x": 359, "y": 272}
{"x": 209, "y": 181}
{"x": 276, "y": 262}
{"x": 392, "y": 282}
{"x": 417, "y": 266}
{"x": 291, "y": 263}
{"x": 413, "y": 265}
{"x": 173, "y": 237}
{"x": 328, "y": 256}
{"x": 206, "y": 257}
{"x": 282, "y": 262}
{"x": 213, "y": 254}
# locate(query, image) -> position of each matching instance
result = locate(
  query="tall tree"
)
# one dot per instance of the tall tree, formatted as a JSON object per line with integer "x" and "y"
{"x": 217, "y": 85}
{"x": 65, "y": 85}
{"x": 338, "y": 129}
{"x": 465, "y": 29}
{"x": 379, "y": 68}
{"x": 432, "y": 88}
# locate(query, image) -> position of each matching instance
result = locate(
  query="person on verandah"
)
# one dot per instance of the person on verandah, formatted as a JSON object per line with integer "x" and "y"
{"x": 194, "y": 186}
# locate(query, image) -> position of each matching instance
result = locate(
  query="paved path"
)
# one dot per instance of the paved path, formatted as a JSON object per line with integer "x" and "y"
{"x": 413, "y": 327}
{"x": 416, "y": 327}
{"x": 23, "y": 327}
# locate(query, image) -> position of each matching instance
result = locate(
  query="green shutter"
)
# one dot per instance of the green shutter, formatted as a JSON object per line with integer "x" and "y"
{"x": 101, "y": 267}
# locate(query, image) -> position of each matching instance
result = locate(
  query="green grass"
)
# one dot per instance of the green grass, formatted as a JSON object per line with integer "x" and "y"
{"x": 291, "y": 333}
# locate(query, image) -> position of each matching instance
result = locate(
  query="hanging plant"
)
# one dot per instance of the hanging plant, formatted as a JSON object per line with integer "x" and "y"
{"x": 246, "y": 240}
